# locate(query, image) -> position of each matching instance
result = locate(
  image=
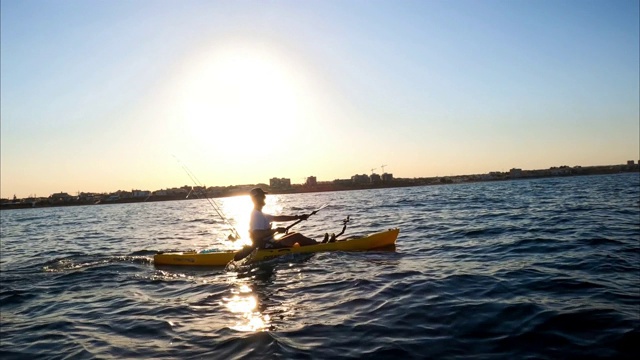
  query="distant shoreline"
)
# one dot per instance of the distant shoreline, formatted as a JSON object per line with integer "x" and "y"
{"x": 514, "y": 174}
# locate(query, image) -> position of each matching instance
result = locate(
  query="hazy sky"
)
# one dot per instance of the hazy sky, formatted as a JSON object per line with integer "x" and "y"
{"x": 105, "y": 95}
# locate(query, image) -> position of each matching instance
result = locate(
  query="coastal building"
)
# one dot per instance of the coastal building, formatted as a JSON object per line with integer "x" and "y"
{"x": 141, "y": 193}
{"x": 375, "y": 178}
{"x": 387, "y": 177}
{"x": 61, "y": 197}
{"x": 199, "y": 189}
{"x": 181, "y": 191}
{"x": 311, "y": 181}
{"x": 280, "y": 183}
{"x": 122, "y": 194}
{"x": 173, "y": 192}
{"x": 360, "y": 179}
{"x": 560, "y": 171}
{"x": 87, "y": 197}
{"x": 515, "y": 173}
{"x": 215, "y": 191}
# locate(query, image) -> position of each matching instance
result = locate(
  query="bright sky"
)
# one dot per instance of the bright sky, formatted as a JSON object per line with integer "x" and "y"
{"x": 105, "y": 95}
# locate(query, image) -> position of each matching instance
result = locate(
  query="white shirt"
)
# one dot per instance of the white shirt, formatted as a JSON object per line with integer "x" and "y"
{"x": 260, "y": 220}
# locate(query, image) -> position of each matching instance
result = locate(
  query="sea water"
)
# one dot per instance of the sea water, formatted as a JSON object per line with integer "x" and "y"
{"x": 545, "y": 268}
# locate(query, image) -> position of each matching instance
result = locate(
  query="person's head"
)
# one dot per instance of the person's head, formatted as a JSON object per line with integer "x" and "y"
{"x": 258, "y": 196}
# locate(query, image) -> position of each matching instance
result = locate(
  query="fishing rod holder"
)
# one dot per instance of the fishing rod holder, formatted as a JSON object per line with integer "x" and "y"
{"x": 344, "y": 225}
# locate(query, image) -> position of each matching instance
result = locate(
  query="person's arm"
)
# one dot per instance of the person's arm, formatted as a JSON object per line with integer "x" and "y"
{"x": 281, "y": 218}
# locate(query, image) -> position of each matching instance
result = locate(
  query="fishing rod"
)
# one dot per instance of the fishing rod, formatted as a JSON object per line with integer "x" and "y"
{"x": 307, "y": 216}
{"x": 213, "y": 203}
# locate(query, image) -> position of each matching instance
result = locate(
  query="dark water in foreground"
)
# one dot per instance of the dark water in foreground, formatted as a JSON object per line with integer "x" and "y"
{"x": 545, "y": 268}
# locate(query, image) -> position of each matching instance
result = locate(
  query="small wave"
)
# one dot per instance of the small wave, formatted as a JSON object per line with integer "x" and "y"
{"x": 578, "y": 327}
{"x": 208, "y": 221}
{"x": 600, "y": 242}
{"x": 12, "y": 297}
{"x": 145, "y": 253}
{"x": 537, "y": 246}
{"x": 153, "y": 252}
{"x": 35, "y": 217}
{"x": 615, "y": 267}
{"x": 83, "y": 262}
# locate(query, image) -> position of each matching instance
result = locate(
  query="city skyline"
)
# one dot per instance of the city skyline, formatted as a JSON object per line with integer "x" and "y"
{"x": 514, "y": 173}
{"x": 106, "y": 95}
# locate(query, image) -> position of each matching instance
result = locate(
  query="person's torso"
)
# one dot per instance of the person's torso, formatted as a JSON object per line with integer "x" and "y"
{"x": 259, "y": 221}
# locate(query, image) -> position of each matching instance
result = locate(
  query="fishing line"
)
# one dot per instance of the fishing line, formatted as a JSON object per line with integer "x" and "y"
{"x": 213, "y": 203}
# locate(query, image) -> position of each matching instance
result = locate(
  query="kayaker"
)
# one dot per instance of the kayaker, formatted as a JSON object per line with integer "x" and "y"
{"x": 260, "y": 229}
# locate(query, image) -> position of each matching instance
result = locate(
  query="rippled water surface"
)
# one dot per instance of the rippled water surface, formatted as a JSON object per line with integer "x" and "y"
{"x": 546, "y": 268}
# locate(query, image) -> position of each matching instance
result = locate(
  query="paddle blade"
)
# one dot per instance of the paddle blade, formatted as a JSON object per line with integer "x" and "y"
{"x": 320, "y": 208}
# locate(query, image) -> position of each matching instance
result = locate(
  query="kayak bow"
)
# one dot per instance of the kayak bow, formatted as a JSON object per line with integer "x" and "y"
{"x": 370, "y": 242}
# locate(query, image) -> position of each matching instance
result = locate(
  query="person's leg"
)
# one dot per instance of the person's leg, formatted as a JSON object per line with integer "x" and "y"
{"x": 289, "y": 240}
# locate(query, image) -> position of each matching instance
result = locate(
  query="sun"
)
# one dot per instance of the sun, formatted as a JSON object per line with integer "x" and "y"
{"x": 238, "y": 99}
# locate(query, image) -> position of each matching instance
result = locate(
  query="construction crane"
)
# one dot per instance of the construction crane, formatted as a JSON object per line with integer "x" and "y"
{"x": 372, "y": 170}
{"x": 382, "y": 166}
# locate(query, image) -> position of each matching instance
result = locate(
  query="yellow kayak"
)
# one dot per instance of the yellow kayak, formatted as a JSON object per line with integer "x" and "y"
{"x": 370, "y": 242}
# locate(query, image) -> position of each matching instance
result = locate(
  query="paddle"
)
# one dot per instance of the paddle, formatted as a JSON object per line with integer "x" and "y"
{"x": 297, "y": 222}
{"x": 248, "y": 249}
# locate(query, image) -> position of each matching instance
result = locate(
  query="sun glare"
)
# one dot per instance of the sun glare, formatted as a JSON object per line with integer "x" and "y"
{"x": 238, "y": 99}
{"x": 245, "y": 305}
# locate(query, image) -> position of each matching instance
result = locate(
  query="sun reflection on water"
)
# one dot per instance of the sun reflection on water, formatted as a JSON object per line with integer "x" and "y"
{"x": 249, "y": 294}
{"x": 246, "y": 304}
{"x": 237, "y": 210}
